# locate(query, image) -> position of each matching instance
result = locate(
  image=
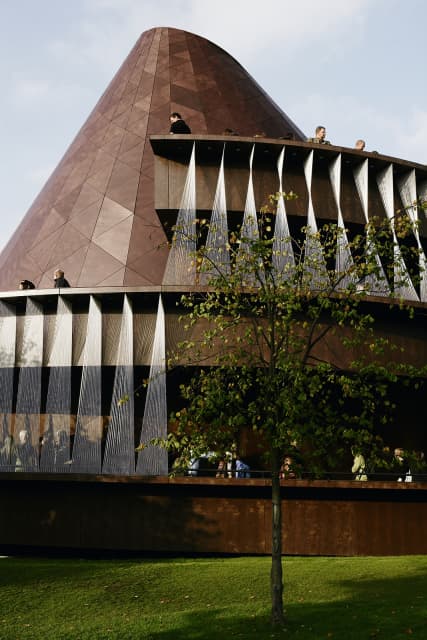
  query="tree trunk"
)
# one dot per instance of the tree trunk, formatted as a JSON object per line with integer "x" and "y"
{"x": 276, "y": 576}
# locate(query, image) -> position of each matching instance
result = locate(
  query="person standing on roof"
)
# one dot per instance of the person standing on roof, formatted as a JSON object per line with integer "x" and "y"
{"x": 178, "y": 125}
{"x": 59, "y": 282}
{"x": 320, "y": 137}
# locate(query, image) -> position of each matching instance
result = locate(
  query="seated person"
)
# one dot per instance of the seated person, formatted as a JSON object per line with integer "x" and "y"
{"x": 320, "y": 137}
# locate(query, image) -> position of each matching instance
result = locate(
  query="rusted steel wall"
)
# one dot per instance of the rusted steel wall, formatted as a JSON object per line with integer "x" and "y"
{"x": 202, "y": 515}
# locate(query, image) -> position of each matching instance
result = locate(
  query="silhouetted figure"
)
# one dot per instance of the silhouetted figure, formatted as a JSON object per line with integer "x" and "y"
{"x": 359, "y": 466}
{"x": 419, "y": 467}
{"x": 193, "y": 467}
{"x": 8, "y": 453}
{"x": 26, "y": 459}
{"x": 225, "y": 466}
{"x": 401, "y": 466}
{"x": 26, "y": 284}
{"x": 320, "y": 136}
{"x": 288, "y": 136}
{"x": 47, "y": 448}
{"x": 59, "y": 281}
{"x": 62, "y": 448}
{"x": 243, "y": 470}
{"x": 287, "y": 471}
{"x": 178, "y": 125}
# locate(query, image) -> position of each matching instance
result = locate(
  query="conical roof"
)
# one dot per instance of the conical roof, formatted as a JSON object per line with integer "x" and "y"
{"x": 95, "y": 216}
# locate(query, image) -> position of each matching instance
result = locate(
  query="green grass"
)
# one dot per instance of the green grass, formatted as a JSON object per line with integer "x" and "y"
{"x": 226, "y": 598}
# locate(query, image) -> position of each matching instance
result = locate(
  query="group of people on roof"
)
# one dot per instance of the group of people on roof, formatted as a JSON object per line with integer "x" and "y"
{"x": 59, "y": 282}
{"x": 320, "y": 138}
{"x": 178, "y": 125}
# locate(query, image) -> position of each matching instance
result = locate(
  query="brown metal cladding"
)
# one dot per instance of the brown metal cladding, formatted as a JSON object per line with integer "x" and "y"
{"x": 205, "y": 515}
{"x": 95, "y": 217}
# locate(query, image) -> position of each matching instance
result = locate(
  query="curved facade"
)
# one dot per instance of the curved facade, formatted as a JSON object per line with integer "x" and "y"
{"x": 332, "y": 184}
{"x": 72, "y": 360}
{"x": 95, "y": 217}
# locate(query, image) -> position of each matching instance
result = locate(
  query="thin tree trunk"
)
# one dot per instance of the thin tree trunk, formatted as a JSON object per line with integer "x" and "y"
{"x": 276, "y": 576}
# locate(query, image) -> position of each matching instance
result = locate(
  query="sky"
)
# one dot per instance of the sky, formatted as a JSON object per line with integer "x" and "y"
{"x": 355, "y": 66}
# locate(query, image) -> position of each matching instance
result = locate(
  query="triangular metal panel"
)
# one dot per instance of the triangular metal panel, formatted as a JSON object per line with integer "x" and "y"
{"x": 283, "y": 259}
{"x": 344, "y": 264}
{"x": 403, "y": 285}
{"x": 216, "y": 262}
{"x": 181, "y": 264}
{"x": 89, "y": 422}
{"x": 315, "y": 271}
{"x": 153, "y": 460}
{"x": 374, "y": 284}
{"x": 408, "y": 192}
{"x": 119, "y": 457}
{"x": 251, "y": 274}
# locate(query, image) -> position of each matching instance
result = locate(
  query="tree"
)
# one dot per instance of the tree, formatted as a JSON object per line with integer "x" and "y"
{"x": 284, "y": 338}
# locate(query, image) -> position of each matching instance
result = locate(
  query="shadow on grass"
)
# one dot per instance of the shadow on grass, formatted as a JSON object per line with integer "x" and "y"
{"x": 391, "y": 607}
{"x": 23, "y": 572}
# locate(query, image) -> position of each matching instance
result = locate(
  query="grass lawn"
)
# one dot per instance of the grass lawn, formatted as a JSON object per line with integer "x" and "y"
{"x": 227, "y": 598}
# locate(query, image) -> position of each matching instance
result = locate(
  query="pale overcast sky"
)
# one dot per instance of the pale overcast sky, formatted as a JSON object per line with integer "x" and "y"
{"x": 357, "y": 66}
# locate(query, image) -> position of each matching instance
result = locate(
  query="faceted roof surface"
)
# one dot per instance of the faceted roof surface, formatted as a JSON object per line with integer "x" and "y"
{"x": 95, "y": 216}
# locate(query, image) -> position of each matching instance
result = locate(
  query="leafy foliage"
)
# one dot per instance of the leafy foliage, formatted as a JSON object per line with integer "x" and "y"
{"x": 293, "y": 354}
{"x": 287, "y": 346}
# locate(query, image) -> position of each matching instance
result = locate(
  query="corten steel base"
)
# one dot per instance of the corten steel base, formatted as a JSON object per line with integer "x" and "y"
{"x": 209, "y": 516}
